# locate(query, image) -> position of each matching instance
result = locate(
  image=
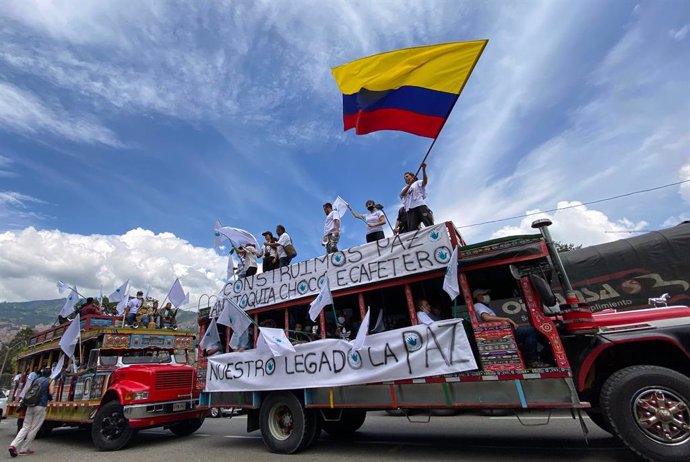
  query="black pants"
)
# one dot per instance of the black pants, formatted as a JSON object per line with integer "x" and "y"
{"x": 251, "y": 271}
{"x": 419, "y": 215}
{"x": 375, "y": 236}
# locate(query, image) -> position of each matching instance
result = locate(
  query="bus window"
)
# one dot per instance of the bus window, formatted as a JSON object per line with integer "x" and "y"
{"x": 180, "y": 356}
{"x": 345, "y": 311}
{"x": 506, "y": 299}
{"x": 274, "y": 319}
{"x": 442, "y": 307}
{"x": 393, "y": 302}
{"x": 301, "y": 327}
{"x": 146, "y": 357}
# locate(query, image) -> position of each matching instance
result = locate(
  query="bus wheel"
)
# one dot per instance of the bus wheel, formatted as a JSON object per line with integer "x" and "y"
{"x": 187, "y": 427}
{"x": 350, "y": 421}
{"x": 648, "y": 408}
{"x": 283, "y": 422}
{"x": 314, "y": 424}
{"x": 215, "y": 412}
{"x": 110, "y": 430}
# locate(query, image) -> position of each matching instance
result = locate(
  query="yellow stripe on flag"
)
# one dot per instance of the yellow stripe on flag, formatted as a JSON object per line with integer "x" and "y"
{"x": 443, "y": 67}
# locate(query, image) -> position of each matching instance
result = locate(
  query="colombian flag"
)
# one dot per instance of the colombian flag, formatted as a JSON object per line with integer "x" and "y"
{"x": 412, "y": 90}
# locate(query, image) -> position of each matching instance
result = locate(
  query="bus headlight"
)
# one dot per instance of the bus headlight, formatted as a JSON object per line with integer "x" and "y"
{"x": 136, "y": 396}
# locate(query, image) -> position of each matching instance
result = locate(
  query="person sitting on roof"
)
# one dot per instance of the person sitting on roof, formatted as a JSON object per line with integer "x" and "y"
{"x": 526, "y": 336}
{"x": 89, "y": 308}
{"x": 168, "y": 317}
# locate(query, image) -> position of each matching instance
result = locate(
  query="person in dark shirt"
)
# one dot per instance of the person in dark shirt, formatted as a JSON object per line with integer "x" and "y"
{"x": 89, "y": 308}
{"x": 35, "y": 415}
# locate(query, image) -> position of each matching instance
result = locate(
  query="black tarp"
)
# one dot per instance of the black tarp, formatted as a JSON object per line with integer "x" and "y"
{"x": 624, "y": 274}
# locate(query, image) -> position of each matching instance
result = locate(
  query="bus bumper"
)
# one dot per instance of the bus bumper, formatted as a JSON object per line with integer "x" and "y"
{"x": 157, "y": 414}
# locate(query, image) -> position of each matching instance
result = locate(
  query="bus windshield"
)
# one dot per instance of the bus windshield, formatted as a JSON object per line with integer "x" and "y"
{"x": 146, "y": 357}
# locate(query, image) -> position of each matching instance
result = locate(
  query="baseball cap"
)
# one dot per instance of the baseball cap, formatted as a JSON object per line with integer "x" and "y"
{"x": 480, "y": 292}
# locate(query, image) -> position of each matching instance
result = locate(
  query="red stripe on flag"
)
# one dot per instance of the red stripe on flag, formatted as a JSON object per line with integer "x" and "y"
{"x": 394, "y": 119}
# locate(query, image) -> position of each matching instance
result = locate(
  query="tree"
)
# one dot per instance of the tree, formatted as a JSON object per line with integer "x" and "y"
{"x": 9, "y": 352}
{"x": 565, "y": 246}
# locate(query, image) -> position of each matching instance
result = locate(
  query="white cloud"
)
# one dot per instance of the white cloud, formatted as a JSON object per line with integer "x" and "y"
{"x": 679, "y": 34}
{"x": 31, "y": 261}
{"x": 578, "y": 225}
{"x": 519, "y": 138}
{"x": 16, "y": 210}
{"x": 6, "y": 167}
{"x": 23, "y": 112}
{"x": 685, "y": 187}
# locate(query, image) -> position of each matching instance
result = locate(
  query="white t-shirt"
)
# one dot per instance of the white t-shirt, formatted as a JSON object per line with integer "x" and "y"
{"x": 329, "y": 225}
{"x": 415, "y": 197}
{"x": 423, "y": 318}
{"x": 249, "y": 258}
{"x": 133, "y": 305}
{"x": 373, "y": 218}
{"x": 283, "y": 240}
{"x": 480, "y": 308}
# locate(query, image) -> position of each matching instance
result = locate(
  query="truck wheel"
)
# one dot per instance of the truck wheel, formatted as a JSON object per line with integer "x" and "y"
{"x": 314, "y": 427}
{"x": 648, "y": 408}
{"x": 187, "y": 427}
{"x": 110, "y": 430}
{"x": 215, "y": 412}
{"x": 283, "y": 422}
{"x": 350, "y": 421}
{"x": 45, "y": 430}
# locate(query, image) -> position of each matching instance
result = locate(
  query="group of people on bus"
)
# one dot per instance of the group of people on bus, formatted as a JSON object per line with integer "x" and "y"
{"x": 278, "y": 250}
{"x": 138, "y": 312}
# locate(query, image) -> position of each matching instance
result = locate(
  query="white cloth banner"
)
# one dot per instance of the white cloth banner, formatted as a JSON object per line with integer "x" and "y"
{"x": 273, "y": 341}
{"x": 411, "y": 352}
{"x": 70, "y": 338}
{"x": 56, "y": 369}
{"x": 450, "y": 281}
{"x": 322, "y": 300}
{"x": 410, "y": 253}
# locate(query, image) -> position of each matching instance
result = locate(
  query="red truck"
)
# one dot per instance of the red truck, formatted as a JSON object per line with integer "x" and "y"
{"x": 133, "y": 379}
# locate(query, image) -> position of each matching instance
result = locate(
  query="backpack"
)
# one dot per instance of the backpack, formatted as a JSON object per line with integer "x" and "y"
{"x": 33, "y": 394}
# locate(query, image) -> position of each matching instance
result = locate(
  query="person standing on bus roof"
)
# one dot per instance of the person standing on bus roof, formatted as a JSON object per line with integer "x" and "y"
{"x": 414, "y": 199}
{"x": 248, "y": 256}
{"x": 132, "y": 307}
{"x": 35, "y": 415}
{"x": 269, "y": 254}
{"x": 331, "y": 228}
{"x": 283, "y": 240}
{"x": 526, "y": 336}
{"x": 374, "y": 220}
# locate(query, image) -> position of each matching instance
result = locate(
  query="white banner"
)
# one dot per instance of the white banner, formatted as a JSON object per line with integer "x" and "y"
{"x": 415, "y": 252}
{"x": 407, "y": 353}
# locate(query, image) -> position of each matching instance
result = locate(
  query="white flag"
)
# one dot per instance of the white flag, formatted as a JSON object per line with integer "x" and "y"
{"x": 233, "y": 316}
{"x": 62, "y": 287}
{"x": 100, "y": 297}
{"x": 70, "y": 338}
{"x": 186, "y": 299}
{"x": 340, "y": 206}
{"x": 146, "y": 294}
{"x": 450, "y": 281}
{"x": 231, "y": 268}
{"x": 238, "y": 341}
{"x": 177, "y": 295}
{"x": 70, "y": 303}
{"x": 324, "y": 298}
{"x": 123, "y": 303}
{"x": 378, "y": 327}
{"x": 57, "y": 367}
{"x": 119, "y": 293}
{"x": 211, "y": 337}
{"x": 239, "y": 237}
{"x": 273, "y": 340}
{"x": 358, "y": 344}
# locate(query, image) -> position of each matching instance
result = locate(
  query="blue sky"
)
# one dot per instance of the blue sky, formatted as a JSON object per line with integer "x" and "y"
{"x": 126, "y": 131}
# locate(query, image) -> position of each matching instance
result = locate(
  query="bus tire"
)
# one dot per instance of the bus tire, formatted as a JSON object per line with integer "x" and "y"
{"x": 350, "y": 421}
{"x": 648, "y": 408}
{"x": 187, "y": 427}
{"x": 283, "y": 421}
{"x": 215, "y": 412}
{"x": 110, "y": 430}
{"x": 314, "y": 427}
{"x": 45, "y": 430}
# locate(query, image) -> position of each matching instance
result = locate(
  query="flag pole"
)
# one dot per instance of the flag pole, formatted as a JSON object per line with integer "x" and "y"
{"x": 443, "y": 124}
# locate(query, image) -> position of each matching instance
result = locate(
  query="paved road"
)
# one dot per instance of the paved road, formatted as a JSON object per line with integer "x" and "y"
{"x": 382, "y": 437}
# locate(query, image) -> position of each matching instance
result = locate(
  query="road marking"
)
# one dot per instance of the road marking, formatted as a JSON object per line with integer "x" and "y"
{"x": 239, "y": 437}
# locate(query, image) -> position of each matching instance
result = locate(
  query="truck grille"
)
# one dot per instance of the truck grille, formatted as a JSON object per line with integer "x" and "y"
{"x": 168, "y": 380}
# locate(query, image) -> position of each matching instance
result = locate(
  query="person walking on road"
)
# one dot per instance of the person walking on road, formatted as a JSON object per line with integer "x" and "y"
{"x": 35, "y": 415}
